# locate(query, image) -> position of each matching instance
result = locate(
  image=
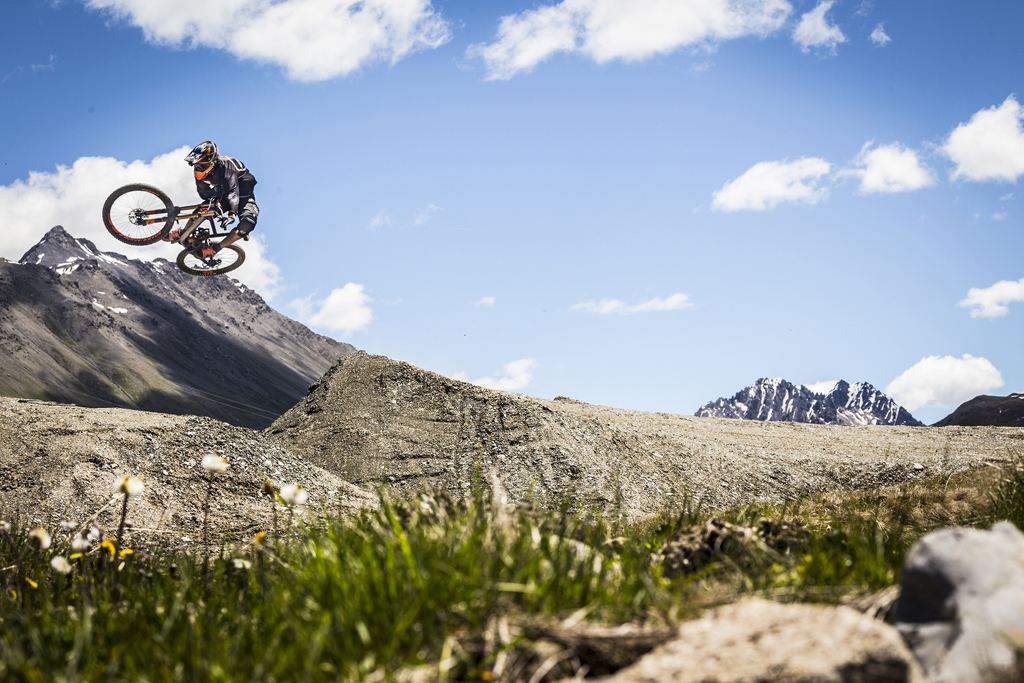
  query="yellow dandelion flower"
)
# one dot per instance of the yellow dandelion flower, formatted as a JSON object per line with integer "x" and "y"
{"x": 13, "y": 593}
{"x": 126, "y": 552}
{"x": 260, "y": 538}
{"x": 31, "y": 582}
{"x": 110, "y": 546}
{"x": 75, "y": 556}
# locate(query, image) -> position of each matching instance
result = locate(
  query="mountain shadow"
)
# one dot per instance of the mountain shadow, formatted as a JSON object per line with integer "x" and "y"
{"x": 97, "y": 329}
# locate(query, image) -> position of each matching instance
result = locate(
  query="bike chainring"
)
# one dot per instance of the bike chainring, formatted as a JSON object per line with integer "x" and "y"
{"x": 196, "y": 238}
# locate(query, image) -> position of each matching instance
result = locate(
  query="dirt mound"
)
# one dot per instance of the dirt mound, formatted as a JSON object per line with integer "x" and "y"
{"x": 59, "y": 463}
{"x": 371, "y": 419}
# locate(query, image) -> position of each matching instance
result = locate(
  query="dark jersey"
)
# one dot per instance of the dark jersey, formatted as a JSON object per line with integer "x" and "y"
{"x": 227, "y": 182}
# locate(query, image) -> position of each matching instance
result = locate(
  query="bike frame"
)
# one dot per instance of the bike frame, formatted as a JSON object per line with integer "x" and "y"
{"x": 195, "y": 214}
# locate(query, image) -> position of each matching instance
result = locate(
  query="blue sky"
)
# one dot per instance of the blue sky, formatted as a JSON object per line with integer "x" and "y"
{"x": 639, "y": 203}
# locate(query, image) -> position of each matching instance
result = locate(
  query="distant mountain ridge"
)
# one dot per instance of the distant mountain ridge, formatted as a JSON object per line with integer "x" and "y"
{"x": 780, "y": 400}
{"x": 78, "y": 325}
{"x": 987, "y": 411}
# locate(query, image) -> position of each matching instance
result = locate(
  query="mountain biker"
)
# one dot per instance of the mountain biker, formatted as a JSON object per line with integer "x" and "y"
{"x": 227, "y": 182}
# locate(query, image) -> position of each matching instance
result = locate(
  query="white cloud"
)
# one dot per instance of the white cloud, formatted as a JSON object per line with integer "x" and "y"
{"x": 630, "y": 30}
{"x": 72, "y": 196}
{"x": 424, "y": 214}
{"x": 515, "y": 375}
{"x": 770, "y": 182}
{"x": 1000, "y": 216}
{"x": 889, "y": 168}
{"x": 312, "y": 40}
{"x": 381, "y": 220}
{"x": 258, "y": 271}
{"x": 879, "y": 37}
{"x": 49, "y": 65}
{"x": 486, "y": 301}
{"x": 345, "y": 310}
{"x": 822, "y": 387}
{"x": 990, "y": 146}
{"x": 419, "y": 217}
{"x": 675, "y": 302}
{"x": 814, "y": 31}
{"x": 992, "y": 302}
{"x": 944, "y": 381}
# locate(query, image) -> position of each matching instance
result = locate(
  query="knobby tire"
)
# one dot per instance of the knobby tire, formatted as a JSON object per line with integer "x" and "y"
{"x": 123, "y": 201}
{"x": 188, "y": 262}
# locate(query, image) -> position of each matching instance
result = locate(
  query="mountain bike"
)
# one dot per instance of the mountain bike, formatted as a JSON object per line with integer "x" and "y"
{"x": 142, "y": 214}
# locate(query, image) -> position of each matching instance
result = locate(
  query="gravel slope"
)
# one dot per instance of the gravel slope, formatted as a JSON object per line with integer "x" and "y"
{"x": 59, "y": 463}
{"x": 371, "y": 418}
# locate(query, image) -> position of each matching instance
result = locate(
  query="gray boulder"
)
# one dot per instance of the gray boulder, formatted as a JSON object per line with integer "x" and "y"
{"x": 755, "y": 641}
{"x": 961, "y": 606}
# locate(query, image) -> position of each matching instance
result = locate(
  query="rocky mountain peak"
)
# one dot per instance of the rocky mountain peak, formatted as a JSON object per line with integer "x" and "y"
{"x": 780, "y": 400}
{"x": 57, "y": 248}
{"x": 79, "y": 325}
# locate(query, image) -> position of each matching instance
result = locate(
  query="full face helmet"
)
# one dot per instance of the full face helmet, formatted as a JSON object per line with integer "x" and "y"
{"x": 202, "y": 159}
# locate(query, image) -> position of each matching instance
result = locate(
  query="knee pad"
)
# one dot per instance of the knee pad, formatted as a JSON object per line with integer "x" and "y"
{"x": 245, "y": 226}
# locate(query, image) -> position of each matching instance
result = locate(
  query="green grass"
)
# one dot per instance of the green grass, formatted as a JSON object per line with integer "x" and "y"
{"x": 412, "y": 584}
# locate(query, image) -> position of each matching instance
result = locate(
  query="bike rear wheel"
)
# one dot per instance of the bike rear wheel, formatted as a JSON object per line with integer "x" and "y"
{"x": 128, "y": 210}
{"x": 224, "y": 261}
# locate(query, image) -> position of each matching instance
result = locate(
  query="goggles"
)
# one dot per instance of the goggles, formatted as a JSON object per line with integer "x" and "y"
{"x": 202, "y": 168}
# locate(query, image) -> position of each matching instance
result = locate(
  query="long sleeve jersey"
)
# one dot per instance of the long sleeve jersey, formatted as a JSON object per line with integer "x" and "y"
{"x": 228, "y": 181}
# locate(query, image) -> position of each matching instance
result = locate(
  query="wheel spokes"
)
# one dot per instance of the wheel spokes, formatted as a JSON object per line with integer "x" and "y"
{"x": 130, "y": 210}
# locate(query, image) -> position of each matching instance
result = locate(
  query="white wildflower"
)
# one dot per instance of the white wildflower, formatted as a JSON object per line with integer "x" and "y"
{"x": 60, "y": 565}
{"x": 293, "y": 494}
{"x": 80, "y": 544}
{"x": 130, "y": 486}
{"x": 214, "y": 463}
{"x": 39, "y": 538}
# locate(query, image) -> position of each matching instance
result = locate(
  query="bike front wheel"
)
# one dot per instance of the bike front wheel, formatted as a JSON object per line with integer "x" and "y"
{"x": 137, "y": 214}
{"x": 224, "y": 261}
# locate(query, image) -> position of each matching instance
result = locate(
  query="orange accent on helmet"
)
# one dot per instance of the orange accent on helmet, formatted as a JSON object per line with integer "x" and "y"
{"x": 203, "y": 158}
{"x": 201, "y": 169}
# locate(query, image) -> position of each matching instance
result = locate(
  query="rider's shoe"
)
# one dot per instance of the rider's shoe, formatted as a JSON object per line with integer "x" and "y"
{"x": 207, "y": 252}
{"x": 174, "y": 234}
